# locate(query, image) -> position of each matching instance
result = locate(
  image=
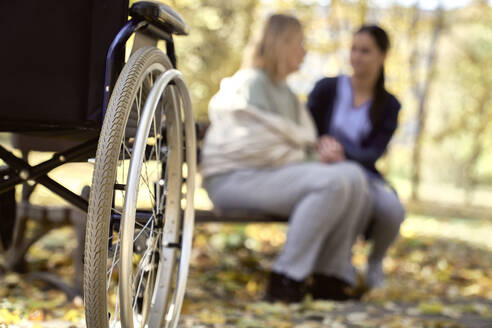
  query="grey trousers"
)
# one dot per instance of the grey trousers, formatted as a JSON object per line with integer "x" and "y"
{"x": 328, "y": 206}
{"x": 387, "y": 215}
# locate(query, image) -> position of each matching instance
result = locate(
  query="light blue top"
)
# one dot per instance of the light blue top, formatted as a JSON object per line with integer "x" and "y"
{"x": 352, "y": 122}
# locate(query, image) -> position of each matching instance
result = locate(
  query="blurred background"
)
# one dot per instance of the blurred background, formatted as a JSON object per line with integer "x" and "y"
{"x": 440, "y": 161}
{"x": 438, "y": 67}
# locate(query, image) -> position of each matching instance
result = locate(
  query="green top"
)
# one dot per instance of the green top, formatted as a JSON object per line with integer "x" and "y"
{"x": 263, "y": 93}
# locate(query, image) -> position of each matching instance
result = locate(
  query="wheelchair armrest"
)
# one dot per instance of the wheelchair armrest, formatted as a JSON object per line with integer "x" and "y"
{"x": 160, "y": 15}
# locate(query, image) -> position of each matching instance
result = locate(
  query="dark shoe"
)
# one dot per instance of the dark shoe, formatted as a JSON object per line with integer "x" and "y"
{"x": 332, "y": 288}
{"x": 284, "y": 289}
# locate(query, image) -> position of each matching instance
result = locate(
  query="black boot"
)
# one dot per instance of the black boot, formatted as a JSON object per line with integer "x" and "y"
{"x": 331, "y": 288}
{"x": 284, "y": 289}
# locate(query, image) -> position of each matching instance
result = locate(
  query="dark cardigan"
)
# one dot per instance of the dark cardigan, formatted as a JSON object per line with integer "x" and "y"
{"x": 321, "y": 102}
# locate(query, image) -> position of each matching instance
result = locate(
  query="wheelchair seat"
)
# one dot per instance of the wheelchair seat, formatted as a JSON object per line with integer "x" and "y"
{"x": 160, "y": 15}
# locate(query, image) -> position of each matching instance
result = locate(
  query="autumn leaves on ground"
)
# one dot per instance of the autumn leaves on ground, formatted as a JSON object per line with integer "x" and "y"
{"x": 439, "y": 275}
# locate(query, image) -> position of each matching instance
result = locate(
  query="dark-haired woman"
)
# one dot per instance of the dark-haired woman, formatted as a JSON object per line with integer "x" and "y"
{"x": 356, "y": 118}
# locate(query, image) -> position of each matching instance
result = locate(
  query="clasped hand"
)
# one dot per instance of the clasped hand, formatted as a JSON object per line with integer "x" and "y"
{"x": 330, "y": 150}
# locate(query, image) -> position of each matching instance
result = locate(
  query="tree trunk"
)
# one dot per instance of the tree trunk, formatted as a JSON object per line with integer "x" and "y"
{"x": 477, "y": 149}
{"x": 422, "y": 102}
{"x": 414, "y": 82}
{"x": 362, "y": 12}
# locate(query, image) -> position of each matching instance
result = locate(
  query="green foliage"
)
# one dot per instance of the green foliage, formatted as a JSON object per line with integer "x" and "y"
{"x": 457, "y": 134}
{"x": 464, "y": 99}
{"x": 219, "y": 32}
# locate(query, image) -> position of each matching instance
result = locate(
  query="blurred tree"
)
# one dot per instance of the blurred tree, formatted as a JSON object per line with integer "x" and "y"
{"x": 219, "y": 32}
{"x": 445, "y": 99}
{"x": 363, "y": 6}
{"x": 421, "y": 91}
{"x": 468, "y": 127}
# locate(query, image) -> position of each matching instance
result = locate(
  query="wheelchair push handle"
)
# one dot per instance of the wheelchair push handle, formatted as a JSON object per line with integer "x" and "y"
{"x": 160, "y": 15}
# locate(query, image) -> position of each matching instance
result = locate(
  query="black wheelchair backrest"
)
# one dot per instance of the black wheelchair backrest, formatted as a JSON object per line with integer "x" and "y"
{"x": 53, "y": 60}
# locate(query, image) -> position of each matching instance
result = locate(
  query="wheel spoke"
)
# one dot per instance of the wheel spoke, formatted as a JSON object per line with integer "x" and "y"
{"x": 116, "y": 211}
{"x": 146, "y": 179}
{"x": 145, "y": 265}
{"x": 113, "y": 263}
{"x": 116, "y": 308}
{"x": 129, "y": 155}
{"x": 143, "y": 229}
{"x": 138, "y": 290}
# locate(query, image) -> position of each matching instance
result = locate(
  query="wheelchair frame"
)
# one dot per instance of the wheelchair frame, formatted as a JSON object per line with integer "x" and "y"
{"x": 147, "y": 33}
{"x": 20, "y": 171}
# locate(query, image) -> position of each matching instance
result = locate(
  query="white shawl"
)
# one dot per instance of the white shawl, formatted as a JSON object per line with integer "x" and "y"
{"x": 241, "y": 136}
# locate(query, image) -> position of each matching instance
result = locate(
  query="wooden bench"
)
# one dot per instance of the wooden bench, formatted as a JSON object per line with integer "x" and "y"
{"x": 208, "y": 216}
{"x": 47, "y": 218}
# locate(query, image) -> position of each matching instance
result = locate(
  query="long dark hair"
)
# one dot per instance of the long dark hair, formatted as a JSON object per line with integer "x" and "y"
{"x": 379, "y": 94}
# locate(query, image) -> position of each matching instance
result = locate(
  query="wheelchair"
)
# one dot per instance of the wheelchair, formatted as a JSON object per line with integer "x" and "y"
{"x": 66, "y": 77}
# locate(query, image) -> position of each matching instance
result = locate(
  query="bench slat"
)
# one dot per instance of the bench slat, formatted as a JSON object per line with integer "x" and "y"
{"x": 204, "y": 216}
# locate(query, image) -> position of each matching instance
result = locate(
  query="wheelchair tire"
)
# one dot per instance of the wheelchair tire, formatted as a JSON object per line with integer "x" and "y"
{"x": 135, "y": 270}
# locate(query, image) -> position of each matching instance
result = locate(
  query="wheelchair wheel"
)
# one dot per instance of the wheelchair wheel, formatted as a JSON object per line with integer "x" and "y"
{"x": 138, "y": 238}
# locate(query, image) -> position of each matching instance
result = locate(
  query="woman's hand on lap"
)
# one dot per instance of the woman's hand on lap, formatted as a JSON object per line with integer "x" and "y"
{"x": 330, "y": 150}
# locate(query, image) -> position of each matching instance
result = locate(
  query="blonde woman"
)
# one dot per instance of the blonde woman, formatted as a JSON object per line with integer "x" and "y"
{"x": 261, "y": 153}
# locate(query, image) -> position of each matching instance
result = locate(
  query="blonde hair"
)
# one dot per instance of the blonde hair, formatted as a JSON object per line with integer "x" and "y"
{"x": 266, "y": 50}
